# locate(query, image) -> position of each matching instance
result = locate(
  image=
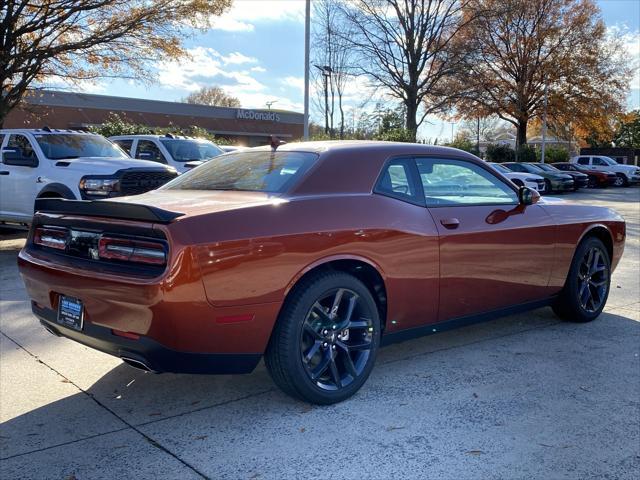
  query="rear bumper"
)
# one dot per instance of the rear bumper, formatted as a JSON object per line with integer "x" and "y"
{"x": 146, "y": 353}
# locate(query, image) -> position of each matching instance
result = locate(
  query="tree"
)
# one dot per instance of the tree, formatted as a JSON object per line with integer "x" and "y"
{"x": 330, "y": 48}
{"x": 628, "y": 134}
{"x": 407, "y": 47}
{"x": 519, "y": 46}
{"x": 77, "y": 40}
{"x": 213, "y": 96}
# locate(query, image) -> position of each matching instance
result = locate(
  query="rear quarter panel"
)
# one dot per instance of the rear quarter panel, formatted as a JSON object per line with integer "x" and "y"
{"x": 574, "y": 222}
{"x": 257, "y": 256}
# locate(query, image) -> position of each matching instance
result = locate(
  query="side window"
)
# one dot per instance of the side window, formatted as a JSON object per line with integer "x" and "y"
{"x": 396, "y": 180}
{"x": 147, "y": 150}
{"x": 583, "y": 160}
{"x": 21, "y": 143}
{"x": 514, "y": 167}
{"x": 599, "y": 161}
{"x": 124, "y": 145}
{"x": 457, "y": 182}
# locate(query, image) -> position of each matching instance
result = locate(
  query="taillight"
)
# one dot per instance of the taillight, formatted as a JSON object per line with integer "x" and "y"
{"x": 137, "y": 251}
{"x": 50, "y": 237}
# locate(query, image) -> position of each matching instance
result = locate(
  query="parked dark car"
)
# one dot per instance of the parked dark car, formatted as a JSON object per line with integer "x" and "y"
{"x": 554, "y": 181}
{"x": 312, "y": 256}
{"x": 580, "y": 180}
{"x": 596, "y": 177}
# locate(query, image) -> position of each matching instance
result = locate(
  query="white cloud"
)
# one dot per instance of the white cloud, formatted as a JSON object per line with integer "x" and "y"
{"x": 258, "y": 69}
{"x": 236, "y": 58}
{"x": 203, "y": 67}
{"x": 295, "y": 82}
{"x": 244, "y": 14}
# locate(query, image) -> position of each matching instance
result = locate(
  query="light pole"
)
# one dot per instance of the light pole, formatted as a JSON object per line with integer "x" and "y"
{"x": 307, "y": 29}
{"x": 270, "y": 103}
{"x": 544, "y": 123}
{"x": 326, "y": 73}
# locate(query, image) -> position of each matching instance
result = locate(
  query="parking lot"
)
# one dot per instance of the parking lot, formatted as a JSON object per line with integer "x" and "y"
{"x": 518, "y": 397}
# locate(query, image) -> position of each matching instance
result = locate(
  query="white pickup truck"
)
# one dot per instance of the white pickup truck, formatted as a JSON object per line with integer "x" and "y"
{"x": 48, "y": 163}
{"x": 626, "y": 174}
{"x": 177, "y": 151}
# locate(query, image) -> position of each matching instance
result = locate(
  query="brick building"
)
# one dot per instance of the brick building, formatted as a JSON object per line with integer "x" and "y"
{"x": 79, "y": 111}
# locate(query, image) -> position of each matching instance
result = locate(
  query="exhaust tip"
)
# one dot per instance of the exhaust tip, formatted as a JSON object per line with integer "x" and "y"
{"x": 139, "y": 364}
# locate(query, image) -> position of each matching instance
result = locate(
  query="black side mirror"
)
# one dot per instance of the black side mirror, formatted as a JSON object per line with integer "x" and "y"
{"x": 527, "y": 196}
{"x": 15, "y": 156}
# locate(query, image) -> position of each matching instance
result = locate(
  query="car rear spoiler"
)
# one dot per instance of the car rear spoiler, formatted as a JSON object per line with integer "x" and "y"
{"x": 105, "y": 208}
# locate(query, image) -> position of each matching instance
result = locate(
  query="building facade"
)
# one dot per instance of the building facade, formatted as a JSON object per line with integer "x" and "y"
{"x": 67, "y": 110}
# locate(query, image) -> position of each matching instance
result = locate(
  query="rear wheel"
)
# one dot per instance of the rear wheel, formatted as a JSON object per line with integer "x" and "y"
{"x": 593, "y": 183}
{"x": 587, "y": 286}
{"x": 325, "y": 342}
{"x": 547, "y": 185}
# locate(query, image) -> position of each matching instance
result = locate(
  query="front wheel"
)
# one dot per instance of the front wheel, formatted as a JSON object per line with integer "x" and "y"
{"x": 326, "y": 339}
{"x": 621, "y": 180}
{"x": 547, "y": 186}
{"x": 586, "y": 289}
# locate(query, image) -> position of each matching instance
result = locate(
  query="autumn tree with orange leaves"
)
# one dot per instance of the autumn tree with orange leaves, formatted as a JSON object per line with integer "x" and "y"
{"x": 521, "y": 46}
{"x": 76, "y": 40}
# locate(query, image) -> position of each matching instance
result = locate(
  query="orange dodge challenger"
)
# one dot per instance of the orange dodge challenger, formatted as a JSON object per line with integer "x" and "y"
{"x": 312, "y": 255}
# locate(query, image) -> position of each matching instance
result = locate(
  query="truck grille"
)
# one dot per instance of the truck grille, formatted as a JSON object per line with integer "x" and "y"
{"x": 135, "y": 183}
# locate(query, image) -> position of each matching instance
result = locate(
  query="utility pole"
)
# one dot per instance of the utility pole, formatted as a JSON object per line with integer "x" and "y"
{"x": 307, "y": 30}
{"x": 326, "y": 73}
{"x": 478, "y": 137}
{"x": 544, "y": 122}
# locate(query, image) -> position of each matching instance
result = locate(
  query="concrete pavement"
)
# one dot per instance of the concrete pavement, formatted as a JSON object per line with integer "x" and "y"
{"x": 519, "y": 397}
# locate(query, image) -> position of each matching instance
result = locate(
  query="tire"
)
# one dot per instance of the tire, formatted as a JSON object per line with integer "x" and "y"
{"x": 547, "y": 186}
{"x": 621, "y": 180}
{"x": 593, "y": 183}
{"x": 583, "y": 298}
{"x": 307, "y": 354}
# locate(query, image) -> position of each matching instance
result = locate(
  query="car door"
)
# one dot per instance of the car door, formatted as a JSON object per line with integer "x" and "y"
{"x": 18, "y": 182}
{"x": 148, "y": 150}
{"x": 599, "y": 164}
{"x": 494, "y": 252}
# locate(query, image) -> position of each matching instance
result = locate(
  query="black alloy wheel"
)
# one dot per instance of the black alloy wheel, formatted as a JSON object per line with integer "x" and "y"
{"x": 593, "y": 279}
{"x": 324, "y": 344}
{"x": 337, "y": 338}
{"x": 586, "y": 289}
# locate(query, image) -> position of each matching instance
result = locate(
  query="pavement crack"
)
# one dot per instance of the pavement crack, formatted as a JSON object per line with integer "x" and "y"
{"x": 129, "y": 425}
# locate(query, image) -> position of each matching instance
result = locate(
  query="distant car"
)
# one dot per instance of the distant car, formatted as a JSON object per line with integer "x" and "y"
{"x": 314, "y": 256}
{"x": 168, "y": 149}
{"x": 531, "y": 180}
{"x": 626, "y": 174}
{"x": 56, "y": 163}
{"x": 596, "y": 177}
{"x": 230, "y": 148}
{"x": 580, "y": 180}
{"x": 558, "y": 182}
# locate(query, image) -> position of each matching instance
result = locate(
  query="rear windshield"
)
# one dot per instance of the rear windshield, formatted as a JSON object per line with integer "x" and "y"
{"x": 189, "y": 150}
{"x": 69, "y": 146}
{"x": 262, "y": 171}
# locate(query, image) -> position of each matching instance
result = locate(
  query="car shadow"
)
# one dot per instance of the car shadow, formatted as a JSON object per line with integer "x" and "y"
{"x": 126, "y": 397}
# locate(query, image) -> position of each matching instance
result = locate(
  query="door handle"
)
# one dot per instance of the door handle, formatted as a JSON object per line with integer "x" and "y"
{"x": 450, "y": 223}
{"x": 4, "y": 172}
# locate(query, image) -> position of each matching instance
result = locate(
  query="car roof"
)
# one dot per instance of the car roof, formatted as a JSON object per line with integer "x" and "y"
{"x": 45, "y": 131}
{"x": 353, "y": 166}
{"x": 154, "y": 136}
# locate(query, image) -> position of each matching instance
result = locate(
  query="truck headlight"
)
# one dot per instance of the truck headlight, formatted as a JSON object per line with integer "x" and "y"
{"x": 99, "y": 186}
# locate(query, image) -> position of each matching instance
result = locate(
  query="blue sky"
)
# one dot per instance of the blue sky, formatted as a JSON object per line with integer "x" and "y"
{"x": 256, "y": 53}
